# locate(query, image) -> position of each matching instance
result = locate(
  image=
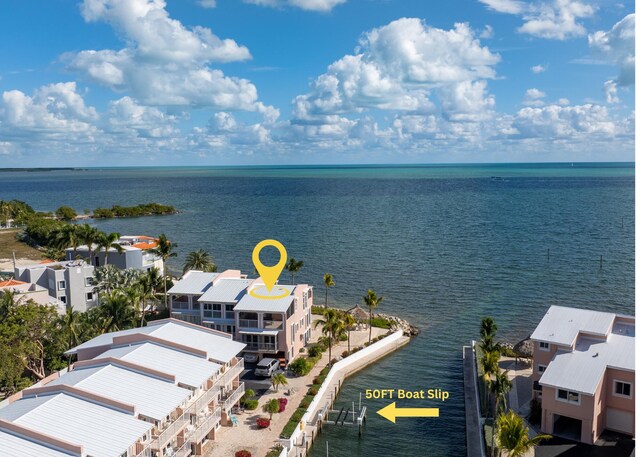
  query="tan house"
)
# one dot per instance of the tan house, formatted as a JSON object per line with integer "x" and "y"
{"x": 584, "y": 372}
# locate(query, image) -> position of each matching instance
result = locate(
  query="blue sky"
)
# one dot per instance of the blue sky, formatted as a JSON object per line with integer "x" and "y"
{"x": 198, "y": 82}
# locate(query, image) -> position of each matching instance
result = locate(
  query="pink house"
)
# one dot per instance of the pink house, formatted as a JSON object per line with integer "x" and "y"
{"x": 584, "y": 372}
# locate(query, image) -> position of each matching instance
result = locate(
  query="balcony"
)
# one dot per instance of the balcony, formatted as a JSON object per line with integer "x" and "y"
{"x": 248, "y": 323}
{"x": 232, "y": 373}
{"x": 206, "y": 426}
{"x": 233, "y": 397}
{"x": 272, "y": 325}
{"x": 162, "y": 437}
{"x": 266, "y": 347}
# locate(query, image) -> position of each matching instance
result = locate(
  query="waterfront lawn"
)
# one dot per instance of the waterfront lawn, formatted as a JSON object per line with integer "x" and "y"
{"x": 9, "y": 243}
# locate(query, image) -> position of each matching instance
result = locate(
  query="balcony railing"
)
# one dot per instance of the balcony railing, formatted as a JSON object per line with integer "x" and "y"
{"x": 233, "y": 397}
{"x": 161, "y": 439}
{"x": 182, "y": 448}
{"x": 248, "y": 323}
{"x": 272, "y": 347}
{"x": 204, "y": 399}
{"x": 272, "y": 325}
{"x": 233, "y": 372}
{"x": 205, "y": 427}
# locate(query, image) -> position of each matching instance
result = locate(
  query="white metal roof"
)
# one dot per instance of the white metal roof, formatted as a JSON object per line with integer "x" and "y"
{"x": 189, "y": 369}
{"x": 103, "y": 431}
{"x": 193, "y": 282}
{"x": 561, "y": 325}
{"x": 260, "y": 332}
{"x": 152, "y": 397}
{"x": 219, "y": 347}
{"x": 581, "y": 370}
{"x": 279, "y": 305}
{"x": 19, "y": 446}
{"x": 226, "y": 290}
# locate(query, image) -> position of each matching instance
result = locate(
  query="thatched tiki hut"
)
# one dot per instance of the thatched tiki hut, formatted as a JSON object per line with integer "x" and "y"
{"x": 360, "y": 315}
{"x": 524, "y": 349}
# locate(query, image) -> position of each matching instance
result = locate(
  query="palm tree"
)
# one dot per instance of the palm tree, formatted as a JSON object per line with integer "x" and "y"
{"x": 294, "y": 266}
{"x": 68, "y": 236}
{"x": 332, "y": 327}
{"x": 500, "y": 387}
{"x": 116, "y": 312}
{"x": 328, "y": 282}
{"x": 349, "y": 321}
{"x": 513, "y": 436}
{"x": 164, "y": 250}
{"x": 108, "y": 241}
{"x": 271, "y": 407}
{"x": 371, "y": 300}
{"x": 278, "y": 380}
{"x": 489, "y": 365}
{"x": 488, "y": 329}
{"x": 88, "y": 235}
{"x": 71, "y": 326}
{"x": 107, "y": 278}
{"x": 199, "y": 260}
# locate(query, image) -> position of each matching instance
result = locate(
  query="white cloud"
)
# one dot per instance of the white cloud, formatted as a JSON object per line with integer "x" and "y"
{"x": 551, "y": 19}
{"x": 539, "y": 69}
{"x": 533, "y": 97}
{"x": 396, "y": 68}
{"x": 487, "y": 32}
{"x": 554, "y": 121}
{"x": 164, "y": 62}
{"x": 52, "y": 109}
{"x": 126, "y": 115}
{"x": 563, "y": 101}
{"x": 309, "y": 5}
{"x": 617, "y": 46}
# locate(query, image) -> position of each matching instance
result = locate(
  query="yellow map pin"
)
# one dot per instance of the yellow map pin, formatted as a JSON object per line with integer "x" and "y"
{"x": 269, "y": 274}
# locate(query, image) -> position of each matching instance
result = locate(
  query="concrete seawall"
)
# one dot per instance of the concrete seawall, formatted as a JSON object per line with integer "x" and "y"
{"x": 303, "y": 437}
{"x": 475, "y": 444}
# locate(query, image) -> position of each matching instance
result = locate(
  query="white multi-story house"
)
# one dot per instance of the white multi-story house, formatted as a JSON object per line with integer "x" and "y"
{"x": 275, "y": 327}
{"x": 136, "y": 253}
{"x": 69, "y": 282}
{"x": 24, "y": 291}
{"x": 156, "y": 391}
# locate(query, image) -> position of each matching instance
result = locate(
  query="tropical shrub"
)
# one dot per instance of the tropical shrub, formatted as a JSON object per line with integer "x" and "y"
{"x": 263, "y": 422}
{"x": 275, "y": 451}
{"x": 300, "y": 366}
{"x": 282, "y": 404}
{"x": 315, "y": 351}
{"x": 250, "y": 404}
{"x": 380, "y": 322}
{"x": 243, "y": 453}
{"x": 345, "y": 354}
{"x": 313, "y": 390}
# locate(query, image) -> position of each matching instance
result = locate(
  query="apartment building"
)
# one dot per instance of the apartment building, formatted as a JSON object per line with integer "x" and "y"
{"x": 136, "y": 253}
{"x": 222, "y": 301}
{"x": 156, "y": 391}
{"x": 584, "y": 372}
{"x": 69, "y": 282}
{"x": 24, "y": 291}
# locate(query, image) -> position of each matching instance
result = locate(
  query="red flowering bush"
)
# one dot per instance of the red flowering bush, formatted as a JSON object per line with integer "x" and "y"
{"x": 243, "y": 453}
{"x": 282, "y": 403}
{"x": 262, "y": 422}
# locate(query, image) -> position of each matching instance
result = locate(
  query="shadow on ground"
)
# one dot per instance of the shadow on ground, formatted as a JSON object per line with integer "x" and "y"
{"x": 559, "y": 447}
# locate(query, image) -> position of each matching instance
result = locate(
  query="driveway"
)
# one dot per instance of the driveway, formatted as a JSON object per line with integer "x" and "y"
{"x": 259, "y": 384}
{"x": 559, "y": 447}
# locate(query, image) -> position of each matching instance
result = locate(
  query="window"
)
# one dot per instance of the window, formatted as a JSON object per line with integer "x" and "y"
{"x": 622, "y": 389}
{"x": 89, "y": 281}
{"x": 568, "y": 396}
{"x": 544, "y": 346}
{"x": 212, "y": 310}
{"x": 89, "y": 296}
{"x": 62, "y": 285}
{"x": 63, "y": 299}
{"x": 228, "y": 310}
{"x": 541, "y": 368}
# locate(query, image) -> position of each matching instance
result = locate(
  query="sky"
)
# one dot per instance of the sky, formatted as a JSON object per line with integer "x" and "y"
{"x": 252, "y": 82}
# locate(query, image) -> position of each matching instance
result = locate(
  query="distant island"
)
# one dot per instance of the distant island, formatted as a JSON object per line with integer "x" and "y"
{"x": 40, "y": 169}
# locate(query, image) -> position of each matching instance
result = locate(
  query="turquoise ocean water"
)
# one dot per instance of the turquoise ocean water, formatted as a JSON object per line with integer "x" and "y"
{"x": 445, "y": 245}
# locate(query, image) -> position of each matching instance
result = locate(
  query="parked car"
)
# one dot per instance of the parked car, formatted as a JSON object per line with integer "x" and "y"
{"x": 266, "y": 367}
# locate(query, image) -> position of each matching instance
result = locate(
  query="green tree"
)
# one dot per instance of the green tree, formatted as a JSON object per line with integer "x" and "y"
{"x": 371, "y": 301}
{"x": 488, "y": 329}
{"x": 67, "y": 237}
{"x": 116, "y": 312}
{"x": 489, "y": 365}
{"x": 199, "y": 260}
{"x": 70, "y": 324}
{"x": 332, "y": 327}
{"x": 513, "y": 436}
{"x": 271, "y": 407}
{"x": 89, "y": 236}
{"x": 66, "y": 213}
{"x": 328, "y": 282}
{"x": 349, "y": 321}
{"x": 278, "y": 380}
{"x": 148, "y": 285}
{"x": 294, "y": 266}
{"x": 165, "y": 250}
{"x": 109, "y": 241}
{"x": 500, "y": 388}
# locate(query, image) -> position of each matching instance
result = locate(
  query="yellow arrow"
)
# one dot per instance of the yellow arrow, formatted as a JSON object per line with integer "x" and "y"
{"x": 390, "y": 412}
